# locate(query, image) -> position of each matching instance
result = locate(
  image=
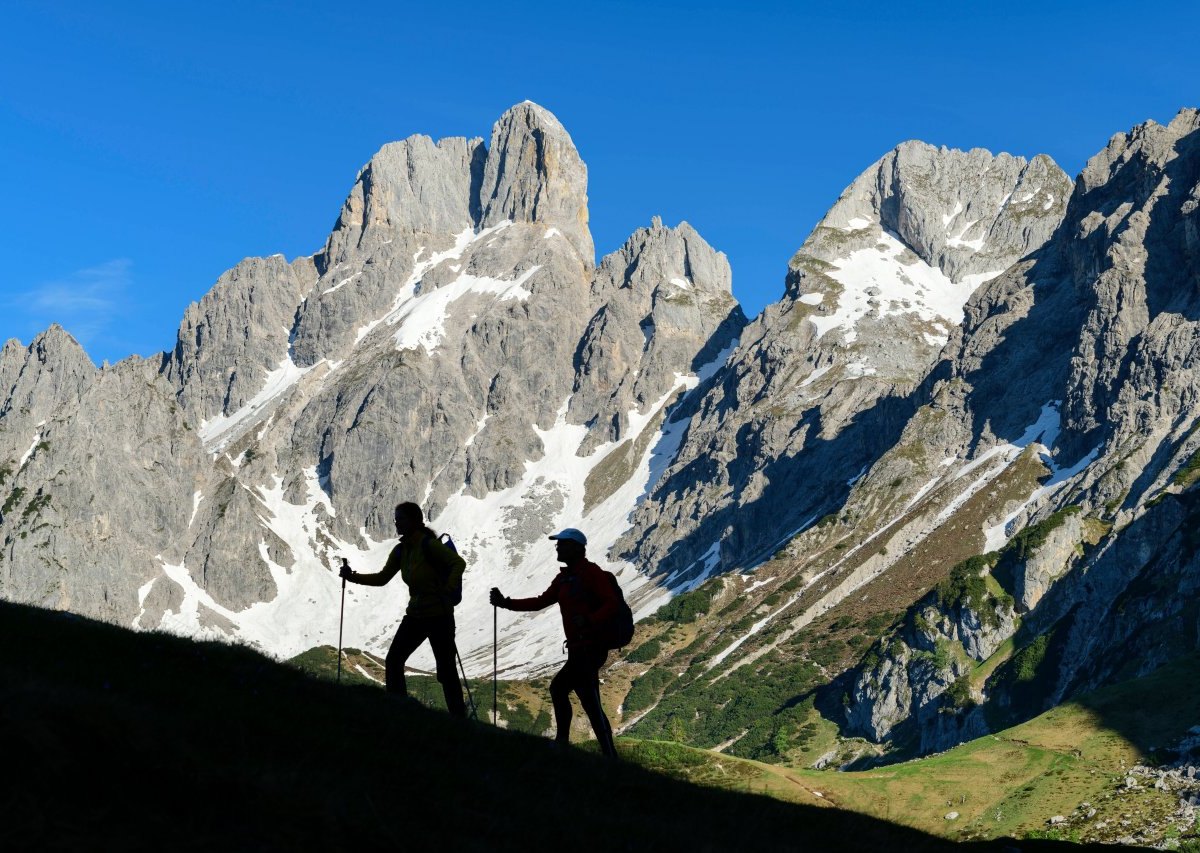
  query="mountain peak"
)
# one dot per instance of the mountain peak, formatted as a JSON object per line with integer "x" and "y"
{"x": 534, "y": 173}
{"x": 968, "y": 213}
{"x": 58, "y": 341}
{"x": 1146, "y": 143}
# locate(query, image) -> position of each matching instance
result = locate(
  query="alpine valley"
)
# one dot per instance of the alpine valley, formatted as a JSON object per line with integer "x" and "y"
{"x": 946, "y": 484}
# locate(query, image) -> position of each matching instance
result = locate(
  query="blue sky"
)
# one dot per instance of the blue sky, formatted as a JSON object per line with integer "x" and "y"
{"x": 147, "y": 147}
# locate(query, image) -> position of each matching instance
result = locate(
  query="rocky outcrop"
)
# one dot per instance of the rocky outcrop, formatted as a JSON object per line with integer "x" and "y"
{"x": 236, "y": 335}
{"x": 1057, "y": 554}
{"x": 906, "y": 679}
{"x": 36, "y": 383}
{"x": 967, "y": 213}
{"x": 112, "y": 488}
{"x": 409, "y": 203}
{"x": 534, "y": 174}
{"x": 666, "y": 302}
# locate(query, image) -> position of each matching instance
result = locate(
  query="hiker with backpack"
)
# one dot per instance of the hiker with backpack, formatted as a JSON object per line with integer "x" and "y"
{"x": 593, "y": 615}
{"x": 433, "y": 573}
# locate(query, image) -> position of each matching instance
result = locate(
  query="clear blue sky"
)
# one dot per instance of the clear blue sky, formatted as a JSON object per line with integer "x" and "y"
{"x": 147, "y": 147}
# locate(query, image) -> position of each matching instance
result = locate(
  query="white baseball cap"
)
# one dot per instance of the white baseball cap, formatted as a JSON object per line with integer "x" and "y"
{"x": 572, "y": 534}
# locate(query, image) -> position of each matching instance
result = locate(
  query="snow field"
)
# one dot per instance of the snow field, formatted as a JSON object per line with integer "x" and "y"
{"x": 875, "y": 282}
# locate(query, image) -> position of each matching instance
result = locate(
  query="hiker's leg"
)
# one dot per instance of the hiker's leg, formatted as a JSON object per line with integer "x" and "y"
{"x": 441, "y": 638}
{"x": 560, "y": 694}
{"x": 587, "y": 687}
{"x": 409, "y": 635}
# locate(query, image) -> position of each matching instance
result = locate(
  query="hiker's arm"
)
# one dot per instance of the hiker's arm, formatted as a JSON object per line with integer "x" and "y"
{"x": 550, "y": 596}
{"x": 389, "y": 570}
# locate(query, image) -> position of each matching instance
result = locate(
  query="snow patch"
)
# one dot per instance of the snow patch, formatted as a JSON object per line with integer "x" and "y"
{"x": 479, "y": 426}
{"x": 341, "y": 284}
{"x": 859, "y": 369}
{"x": 959, "y": 243}
{"x": 815, "y": 375}
{"x": 423, "y": 318}
{"x": 757, "y": 583}
{"x": 37, "y": 437}
{"x": 875, "y": 281}
{"x": 732, "y": 647}
{"x": 421, "y": 267}
{"x": 1042, "y": 434}
{"x": 304, "y": 611}
{"x": 217, "y": 433}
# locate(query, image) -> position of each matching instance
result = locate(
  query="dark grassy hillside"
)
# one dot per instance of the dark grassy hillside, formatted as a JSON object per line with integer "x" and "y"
{"x": 116, "y": 740}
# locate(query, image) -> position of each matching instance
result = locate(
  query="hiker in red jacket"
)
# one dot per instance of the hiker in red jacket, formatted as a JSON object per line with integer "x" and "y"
{"x": 587, "y": 602}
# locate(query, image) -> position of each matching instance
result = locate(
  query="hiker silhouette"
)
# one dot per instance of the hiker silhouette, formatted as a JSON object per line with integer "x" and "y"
{"x": 433, "y": 573}
{"x": 587, "y": 600}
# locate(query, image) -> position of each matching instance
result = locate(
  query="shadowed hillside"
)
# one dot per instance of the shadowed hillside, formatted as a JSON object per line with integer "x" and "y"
{"x": 119, "y": 740}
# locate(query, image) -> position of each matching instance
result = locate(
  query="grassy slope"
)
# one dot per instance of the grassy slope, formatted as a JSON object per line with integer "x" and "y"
{"x": 116, "y": 740}
{"x": 1009, "y": 784}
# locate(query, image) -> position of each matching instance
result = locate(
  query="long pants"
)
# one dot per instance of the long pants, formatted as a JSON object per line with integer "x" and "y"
{"x": 413, "y": 631}
{"x": 581, "y": 674}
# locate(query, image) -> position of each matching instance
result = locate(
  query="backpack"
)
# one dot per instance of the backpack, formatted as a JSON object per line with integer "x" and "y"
{"x": 619, "y": 631}
{"x": 455, "y": 596}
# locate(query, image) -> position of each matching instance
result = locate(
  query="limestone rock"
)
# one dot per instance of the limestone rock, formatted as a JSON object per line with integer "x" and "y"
{"x": 666, "y": 302}
{"x": 534, "y": 174}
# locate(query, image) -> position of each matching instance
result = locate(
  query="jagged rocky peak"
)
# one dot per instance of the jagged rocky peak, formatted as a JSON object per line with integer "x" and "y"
{"x": 412, "y": 199}
{"x": 1134, "y": 262}
{"x": 38, "y": 380}
{"x": 968, "y": 213}
{"x": 1146, "y": 144}
{"x": 534, "y": 174}
{"x": 666, "y": 303}
{"x": 107, "y": 485}
{"x": 411, "y": 214}
{"x": 237, "y": 334}
{"x": 416, "y": 186}
{"x": 656, "y": 256}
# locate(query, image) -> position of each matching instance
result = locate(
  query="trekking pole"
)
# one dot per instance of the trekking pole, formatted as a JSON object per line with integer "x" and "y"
{"x": 467, "y": 684}
{"x": 495, "y": 610}
{"x": 342, "y": 620}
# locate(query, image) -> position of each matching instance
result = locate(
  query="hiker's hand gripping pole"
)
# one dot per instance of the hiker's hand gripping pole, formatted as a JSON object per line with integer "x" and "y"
{"x": 495, "y": 610}
{"x": 345, "y": 573}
